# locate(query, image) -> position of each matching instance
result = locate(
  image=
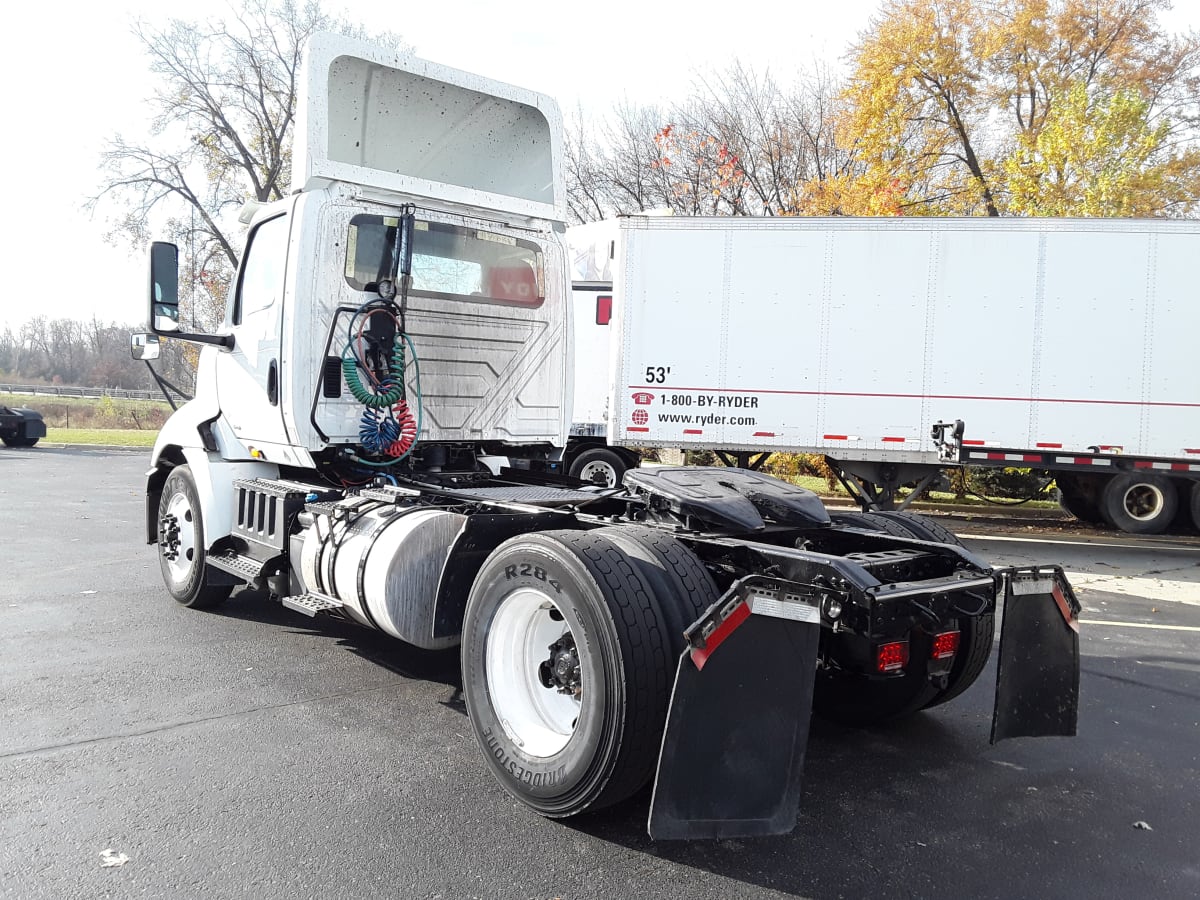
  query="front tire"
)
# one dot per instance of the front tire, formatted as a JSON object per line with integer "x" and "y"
{"x": 567, "y": 671}
{"x": 181, "y": 555}
{"x": 1138, "y": 503}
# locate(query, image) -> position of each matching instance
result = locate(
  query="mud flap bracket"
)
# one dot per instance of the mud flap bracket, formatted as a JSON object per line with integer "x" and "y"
{"x": 1037, "y": 675}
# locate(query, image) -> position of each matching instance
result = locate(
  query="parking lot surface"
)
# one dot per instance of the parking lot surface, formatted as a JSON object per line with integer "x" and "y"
{"x": 254, "y": 752}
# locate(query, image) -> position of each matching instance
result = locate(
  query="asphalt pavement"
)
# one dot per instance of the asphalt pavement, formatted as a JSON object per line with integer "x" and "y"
{"x": 254, "y": 752}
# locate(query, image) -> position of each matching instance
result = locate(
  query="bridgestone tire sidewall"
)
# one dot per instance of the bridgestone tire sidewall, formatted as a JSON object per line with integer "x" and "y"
{"x": 553, "y": 785}
{"x": 180, "y": 482}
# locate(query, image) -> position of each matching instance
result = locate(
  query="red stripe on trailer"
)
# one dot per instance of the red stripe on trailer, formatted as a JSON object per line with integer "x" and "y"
{"x": 1030, "y": 457}
{"x": 693, "y": 431}
{"x": 1143, "y": 464}
{"x": 893, "y": 440}
{"x": 974, "y": 443}
{"x": 1049, "y": 446}
{"x": 764, "y": 434}
{"x": 1115, "y": 448}
{"x": 700, "y": 655}
{"x": 835, "y": 437}
{"x": 1197, "y": 452}
{"x": 991, "y": 455}
{"x": 635, "y": 428}
{"x": 1083, "y": 460}
{"x": 1180, "y": 467}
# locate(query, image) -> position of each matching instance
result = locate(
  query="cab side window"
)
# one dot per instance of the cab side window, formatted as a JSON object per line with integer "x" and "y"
{"x": 261, "y": 284}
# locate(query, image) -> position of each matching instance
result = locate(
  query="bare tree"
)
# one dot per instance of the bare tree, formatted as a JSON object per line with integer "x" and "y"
{"x": 740, "y": 144}
{"x": 223, "y": 112}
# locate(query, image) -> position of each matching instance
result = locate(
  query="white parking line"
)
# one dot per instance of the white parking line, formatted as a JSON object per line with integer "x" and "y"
{"x": 1140, "y": 625}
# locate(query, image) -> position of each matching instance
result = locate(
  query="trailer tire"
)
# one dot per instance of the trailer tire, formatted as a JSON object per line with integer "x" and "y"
{"x": 181, "y": 554}
{"x": 1139, "y": 503}
{"x": 1195, "y": 504}
{"x": 1079, "y": 497}
{"x": 580, "y": 729}
{"x": 599, "y": 465}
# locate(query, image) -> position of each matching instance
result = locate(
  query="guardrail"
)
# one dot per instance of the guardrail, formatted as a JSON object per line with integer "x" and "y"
{"x": 56, "y": 390}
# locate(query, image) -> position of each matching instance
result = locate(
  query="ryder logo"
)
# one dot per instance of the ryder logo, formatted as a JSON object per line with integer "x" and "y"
{"x": 641, "y": 398}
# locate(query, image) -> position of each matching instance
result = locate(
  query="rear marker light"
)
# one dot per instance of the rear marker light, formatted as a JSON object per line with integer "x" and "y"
{"x": 945, "y": 645}
{"x": 891, "y": 657}
{"x": 603, "y": 310}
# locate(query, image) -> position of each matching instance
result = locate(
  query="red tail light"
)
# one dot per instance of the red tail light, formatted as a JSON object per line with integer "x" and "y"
{"x": 945, "y": 645}
{"x": 891, "y": 657}
{"x": 603, "y": 310}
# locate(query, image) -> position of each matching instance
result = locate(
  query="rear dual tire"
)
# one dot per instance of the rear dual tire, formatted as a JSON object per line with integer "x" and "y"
{"x": 1139, "y": 503}
{"x": 570, "y": 644}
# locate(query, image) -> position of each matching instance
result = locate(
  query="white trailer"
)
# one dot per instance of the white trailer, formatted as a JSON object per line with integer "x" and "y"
{"x": 1058, "y": 344}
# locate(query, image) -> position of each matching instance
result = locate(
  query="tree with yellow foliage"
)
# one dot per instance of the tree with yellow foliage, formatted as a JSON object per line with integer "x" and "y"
{"x": 1031, "y": 107}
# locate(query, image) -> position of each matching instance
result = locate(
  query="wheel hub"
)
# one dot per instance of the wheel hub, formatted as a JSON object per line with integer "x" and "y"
{"x": 168, "y": 536}
{"x": 537, "y": 696}
{"x": 561, "y": 671}
{"x": 1143, "y": 501}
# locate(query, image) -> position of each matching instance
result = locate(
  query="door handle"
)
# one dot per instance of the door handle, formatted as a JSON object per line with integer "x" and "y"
{"x": 273, "y": 383}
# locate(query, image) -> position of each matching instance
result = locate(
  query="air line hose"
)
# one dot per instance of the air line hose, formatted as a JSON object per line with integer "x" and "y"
{"x": 390, "y": 390}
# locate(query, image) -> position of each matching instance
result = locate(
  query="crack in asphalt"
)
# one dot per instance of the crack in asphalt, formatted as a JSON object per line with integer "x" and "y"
{"x": 31, "y": 752}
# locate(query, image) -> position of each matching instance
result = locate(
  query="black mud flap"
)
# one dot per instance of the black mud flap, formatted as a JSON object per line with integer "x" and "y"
{"x": 736, "y": 731}
{"x": 1037, "y": 676}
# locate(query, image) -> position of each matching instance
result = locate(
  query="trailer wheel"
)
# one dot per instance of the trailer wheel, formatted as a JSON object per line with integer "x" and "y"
{"x": 1139, "y": 503}
{"x": 566, "y": 671}
{"x": 599, "y": 465}
{"x": 1195, "y": 504}
{"x": 181, "y": 544}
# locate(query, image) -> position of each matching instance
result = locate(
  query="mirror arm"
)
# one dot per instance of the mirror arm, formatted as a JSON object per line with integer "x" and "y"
{"x": 221, "y": 340}
{"x": 163, "y": 385}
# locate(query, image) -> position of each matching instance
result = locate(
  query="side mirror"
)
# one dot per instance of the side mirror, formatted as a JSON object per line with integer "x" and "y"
{"x": 164, "y": 287}
{"x": 144, "y": 346}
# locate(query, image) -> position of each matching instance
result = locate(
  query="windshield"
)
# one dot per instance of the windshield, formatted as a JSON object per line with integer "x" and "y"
{"x": 449, "y": 261}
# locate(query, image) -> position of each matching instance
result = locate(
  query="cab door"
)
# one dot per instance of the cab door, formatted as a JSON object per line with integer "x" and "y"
{"x": 249, "y": 377}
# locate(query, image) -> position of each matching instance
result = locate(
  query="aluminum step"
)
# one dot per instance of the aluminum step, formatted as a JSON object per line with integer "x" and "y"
{"x": 310, "y": 604}
{"x": 244, "y": 567}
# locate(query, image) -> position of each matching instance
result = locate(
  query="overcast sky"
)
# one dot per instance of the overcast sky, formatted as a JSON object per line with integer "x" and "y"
{"x": 70, "y": 82}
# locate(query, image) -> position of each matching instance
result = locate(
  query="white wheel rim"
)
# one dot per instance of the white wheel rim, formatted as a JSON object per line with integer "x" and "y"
{"x": 1143, "y": 502}
{"x": 538, "y": 719}
{"x": 599, "y": 471}
{"x": 181, "y": 566}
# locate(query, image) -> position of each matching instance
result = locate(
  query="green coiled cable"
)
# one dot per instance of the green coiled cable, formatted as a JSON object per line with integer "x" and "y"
{"x": 360, "y": 391}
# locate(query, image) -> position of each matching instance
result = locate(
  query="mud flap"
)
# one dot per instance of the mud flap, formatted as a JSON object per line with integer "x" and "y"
{"x": 736, "y": 731}
{"x": 1037, "y": 676}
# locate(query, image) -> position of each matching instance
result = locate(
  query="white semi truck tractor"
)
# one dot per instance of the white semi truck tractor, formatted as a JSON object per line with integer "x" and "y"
{"x": 373, "y": 437}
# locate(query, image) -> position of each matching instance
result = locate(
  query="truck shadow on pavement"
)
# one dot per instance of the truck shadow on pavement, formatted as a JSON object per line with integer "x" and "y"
{"x": 439, "y": 666}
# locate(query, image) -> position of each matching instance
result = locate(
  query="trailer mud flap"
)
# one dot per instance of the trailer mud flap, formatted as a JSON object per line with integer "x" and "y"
{"x": 736, "y": 731}
{"x": 1037, "y": 676}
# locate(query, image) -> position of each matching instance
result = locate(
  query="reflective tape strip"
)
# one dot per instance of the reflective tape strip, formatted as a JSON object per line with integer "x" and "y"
{"x": 1165, "y": 466}
{"x": 1083, "y": 461}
